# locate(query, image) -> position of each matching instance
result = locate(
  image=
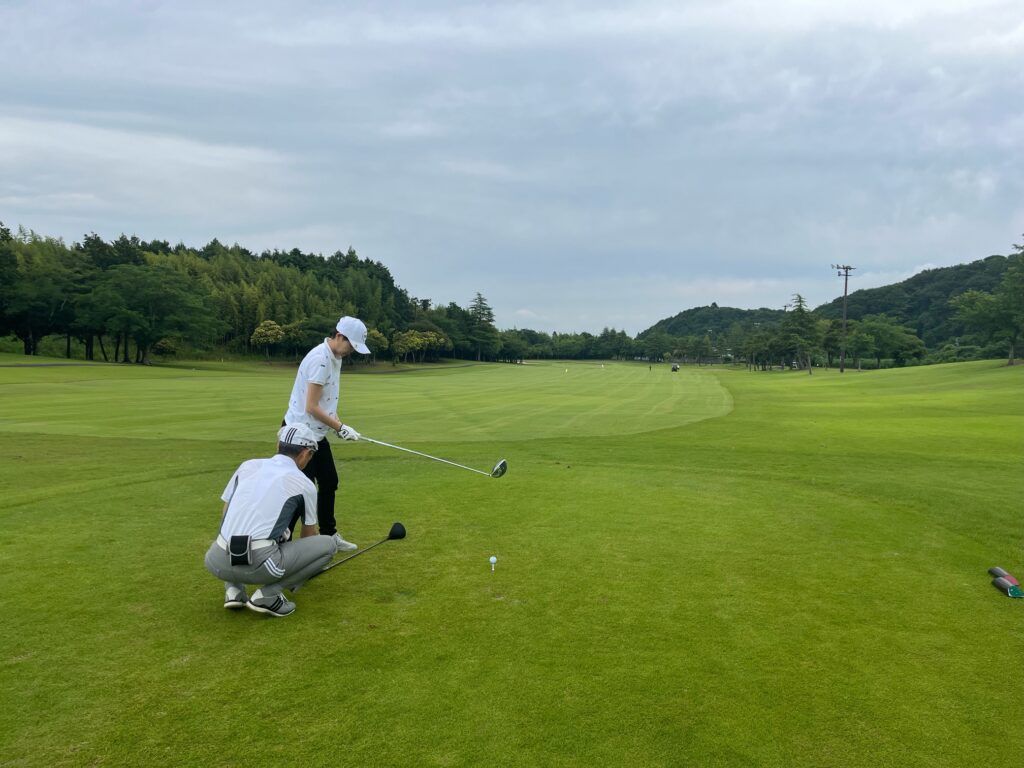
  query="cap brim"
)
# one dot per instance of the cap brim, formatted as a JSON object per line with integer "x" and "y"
{"x": 362, "y": 349}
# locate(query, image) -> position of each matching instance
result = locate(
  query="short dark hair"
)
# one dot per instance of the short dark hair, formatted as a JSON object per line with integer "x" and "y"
{"x": 288, "y": 449}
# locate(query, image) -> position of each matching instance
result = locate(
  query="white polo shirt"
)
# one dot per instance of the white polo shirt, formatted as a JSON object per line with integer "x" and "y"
{"x": 319, "y": 366}
{"x": 262, "y": 496}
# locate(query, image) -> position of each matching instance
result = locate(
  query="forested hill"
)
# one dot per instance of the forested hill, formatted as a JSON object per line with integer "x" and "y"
{"x": 715, "y": 320}
{"x": 920, "y": 303}
{"x": 158, "y": 295}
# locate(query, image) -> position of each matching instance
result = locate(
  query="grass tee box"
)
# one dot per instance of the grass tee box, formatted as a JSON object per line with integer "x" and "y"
{"x": 709, "y": 567}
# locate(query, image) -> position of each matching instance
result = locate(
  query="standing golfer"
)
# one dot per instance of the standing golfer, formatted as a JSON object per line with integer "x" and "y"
{"x": 314, "y": 404}
{"x": 252, "y": 546}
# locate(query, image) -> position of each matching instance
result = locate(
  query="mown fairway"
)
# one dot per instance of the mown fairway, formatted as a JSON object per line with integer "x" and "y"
{"x": 713, "y": 567}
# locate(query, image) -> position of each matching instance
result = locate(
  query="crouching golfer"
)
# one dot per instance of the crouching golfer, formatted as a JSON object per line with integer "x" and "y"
{"x": 252, "y": 546}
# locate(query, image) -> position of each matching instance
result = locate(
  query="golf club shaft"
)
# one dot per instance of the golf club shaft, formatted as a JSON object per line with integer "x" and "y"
{"x": 424, "y": 455}
{"x": 346, "y": 559}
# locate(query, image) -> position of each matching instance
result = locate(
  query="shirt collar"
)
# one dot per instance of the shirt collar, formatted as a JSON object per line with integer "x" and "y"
{"x": 330, "y": 352}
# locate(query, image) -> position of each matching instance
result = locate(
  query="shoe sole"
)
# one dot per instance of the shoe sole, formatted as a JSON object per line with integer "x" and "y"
{"x": 234, "y": 605}
{"x": 268, "y": 610}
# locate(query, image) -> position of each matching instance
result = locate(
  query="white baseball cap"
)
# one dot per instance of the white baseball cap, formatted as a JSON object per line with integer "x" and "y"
{"x": 354, "y": 330}
{"x": 299, "y": 435}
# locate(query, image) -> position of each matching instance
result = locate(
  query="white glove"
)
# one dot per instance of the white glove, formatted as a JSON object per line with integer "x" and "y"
{"x": 346, "y": 432}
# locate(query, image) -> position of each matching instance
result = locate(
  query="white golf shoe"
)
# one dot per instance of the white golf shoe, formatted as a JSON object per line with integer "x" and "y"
{"x": 344, "y": 546}
{"x": 235, "y": 598}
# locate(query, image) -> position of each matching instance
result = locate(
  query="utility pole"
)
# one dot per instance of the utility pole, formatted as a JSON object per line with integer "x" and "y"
{"x": 843, "y": 270}
{"x": 782, "y": 362}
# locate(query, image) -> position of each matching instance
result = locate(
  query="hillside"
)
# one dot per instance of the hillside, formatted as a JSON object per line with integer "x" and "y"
{"x": 714, "y": 319}
{"x": 920, "y": 302}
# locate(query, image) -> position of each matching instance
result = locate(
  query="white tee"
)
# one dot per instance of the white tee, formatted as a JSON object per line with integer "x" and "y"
{"x": 262, "y": 496}
{"x": 319, "y": 366}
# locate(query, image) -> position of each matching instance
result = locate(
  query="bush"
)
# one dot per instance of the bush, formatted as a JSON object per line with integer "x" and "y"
{"x": 166, "y": 347}
{"x": 954, "y": 353}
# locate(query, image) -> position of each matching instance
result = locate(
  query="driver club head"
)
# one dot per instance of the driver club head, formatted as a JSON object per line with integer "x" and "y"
{"x": 397, "y": 532}
{"x": 499, "y": 469}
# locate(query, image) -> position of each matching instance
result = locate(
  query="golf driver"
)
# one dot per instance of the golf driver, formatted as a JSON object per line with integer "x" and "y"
{"x": 499, "y": 469}
{"x": 397, "y": 532}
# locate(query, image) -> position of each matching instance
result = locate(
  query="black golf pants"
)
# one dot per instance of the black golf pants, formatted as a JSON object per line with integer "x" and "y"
{"x": 321, "y": 470}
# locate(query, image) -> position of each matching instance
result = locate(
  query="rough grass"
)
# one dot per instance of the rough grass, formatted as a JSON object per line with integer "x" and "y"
{"x": 711, "y": 567}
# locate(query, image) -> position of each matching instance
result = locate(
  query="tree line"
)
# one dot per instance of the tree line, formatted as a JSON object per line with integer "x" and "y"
{"x": 966, "y": 312}
{"x": 128, "y": 299}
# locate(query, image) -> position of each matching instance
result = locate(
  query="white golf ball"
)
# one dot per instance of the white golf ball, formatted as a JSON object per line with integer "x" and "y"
{"x": 493, "y": 559}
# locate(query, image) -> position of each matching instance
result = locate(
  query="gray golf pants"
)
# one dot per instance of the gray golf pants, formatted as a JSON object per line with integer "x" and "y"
{"x": 274, "y": 568}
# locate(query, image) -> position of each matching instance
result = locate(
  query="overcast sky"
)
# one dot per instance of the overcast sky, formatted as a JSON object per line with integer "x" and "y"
{"x": 580, "y": 164}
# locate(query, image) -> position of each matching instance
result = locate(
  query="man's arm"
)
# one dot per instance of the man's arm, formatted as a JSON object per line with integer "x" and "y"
{"x": 310, "y": 530}
{"x": 313, "y": 393}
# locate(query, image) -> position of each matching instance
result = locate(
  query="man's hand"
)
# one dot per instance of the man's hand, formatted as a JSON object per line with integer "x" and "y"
{"x": 345, "y": 432}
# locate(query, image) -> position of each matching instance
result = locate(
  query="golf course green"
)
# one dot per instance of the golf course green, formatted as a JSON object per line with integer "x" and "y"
{"x": 714, "y": 567}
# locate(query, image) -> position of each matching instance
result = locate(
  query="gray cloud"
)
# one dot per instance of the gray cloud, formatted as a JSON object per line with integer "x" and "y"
{"x": 579, "y": 164}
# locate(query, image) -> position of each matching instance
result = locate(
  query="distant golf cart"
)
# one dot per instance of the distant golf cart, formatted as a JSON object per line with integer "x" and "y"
{"x": 675, "y": 367}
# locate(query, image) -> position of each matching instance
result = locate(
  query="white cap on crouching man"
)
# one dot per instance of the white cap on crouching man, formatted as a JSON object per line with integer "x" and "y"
{"x": 354, "y": 330}
{"x": 298, "y": 435}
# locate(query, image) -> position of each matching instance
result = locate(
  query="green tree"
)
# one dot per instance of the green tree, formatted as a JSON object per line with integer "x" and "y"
{"x": 41, "y": 299}
{"x": 146, "y": 304}
{"x": 454, "y": 322}
{"x": 832, "y": 340}
{"x": 302, "y": 335}
{"x": 656, "y": 344}
{"x": 998, "y": 315}
{"x": 377, "y": 342}
{"x": 405, "y": 343}
{"x": 884, "y": 333}
{"x": 735, "y": 336}
{"x": 625, "y": 347}
{"x": 267, "y": 334}
{"x": 701, "y": 348}
{"x": 801, "y": 334}
{"x": 859, "y": 343}
{"x": 514, "y": 347}
{"x": 8, "y": 276}
{"x": 565, "y": 346}
{"x": 482, "y": 333}
{"x": 892, "y": 340}
{"x": 756, "y": 347}
{"x": 127, "y": 250}
{"x": 434, "y": 344}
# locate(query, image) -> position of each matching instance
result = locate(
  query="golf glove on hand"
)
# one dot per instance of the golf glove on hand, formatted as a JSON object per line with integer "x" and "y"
{"x": 346, "y": 432}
